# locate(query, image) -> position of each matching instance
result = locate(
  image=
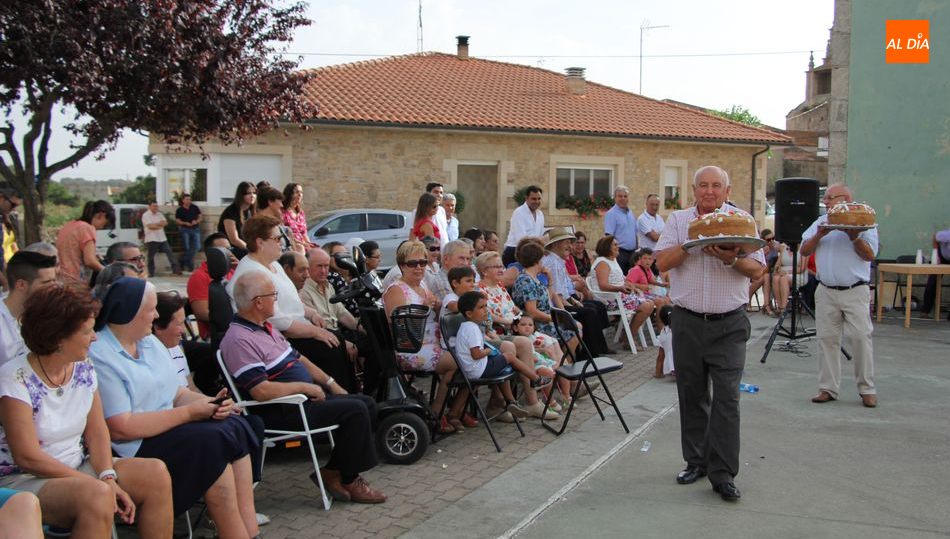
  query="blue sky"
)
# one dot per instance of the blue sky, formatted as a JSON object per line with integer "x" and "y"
{"x": 602, "y": 36}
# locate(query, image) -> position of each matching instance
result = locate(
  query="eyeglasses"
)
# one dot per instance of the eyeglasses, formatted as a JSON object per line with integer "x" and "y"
{"x": 276, "y": 238}
{"x": 134, "y": 259}
{"x": 274, "y": 295}
{"x": 434, "y": 249}
{"x": 415, "y": 263}
{"x": 494, "y": 266}
{"x": 828, "y": 198}
{"x": 770, "y": 239}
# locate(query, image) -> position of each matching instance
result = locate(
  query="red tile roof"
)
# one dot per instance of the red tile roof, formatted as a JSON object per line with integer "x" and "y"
{"x": 440, "y": 90}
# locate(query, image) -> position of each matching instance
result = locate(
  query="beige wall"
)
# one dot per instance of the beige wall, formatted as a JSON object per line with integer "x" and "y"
{"x": 343, "y": 167}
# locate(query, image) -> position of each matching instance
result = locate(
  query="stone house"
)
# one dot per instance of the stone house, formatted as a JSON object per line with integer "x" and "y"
{"x": 483, "y": 128}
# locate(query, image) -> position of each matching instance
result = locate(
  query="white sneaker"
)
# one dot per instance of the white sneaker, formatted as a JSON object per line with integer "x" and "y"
{"x": 517, "y": 410}
{"x": 262, "y": 519}
{"x": 499, "y": 414}
{"x": 538, "y": 410}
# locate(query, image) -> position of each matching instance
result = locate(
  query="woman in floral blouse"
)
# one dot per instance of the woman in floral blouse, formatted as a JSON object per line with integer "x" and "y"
{"x": 532, "y": 296}
{"x": 293, "y": 215}
{"x": 49, "y": 405}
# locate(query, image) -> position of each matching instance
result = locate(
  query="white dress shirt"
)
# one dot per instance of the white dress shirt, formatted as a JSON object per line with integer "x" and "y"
{"x": 837, "y": 262}
{"x": 443, "y": 226}
{"x": 648, "y": 223}
{"x": 524, "y": 224}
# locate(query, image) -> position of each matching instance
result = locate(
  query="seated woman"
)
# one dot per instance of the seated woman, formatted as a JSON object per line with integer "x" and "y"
{"x": 579, "y": 261}
{"x": 236, "y": 214}
{"x": 20, "y": 515}
{"x": 782, "y": 276}
{"x": 411, "y": 257}
{"x": 608, "y": 277}
{"x": 533, "y": 297}
{"x": 764, "y": 281}
{"x": 477, "y": 238}
{"x": 203, "y": 442}
{"x": 54, "y": 441}
{"x": 301, "y": 325}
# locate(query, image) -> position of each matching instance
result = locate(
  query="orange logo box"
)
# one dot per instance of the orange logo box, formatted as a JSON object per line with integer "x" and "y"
{"x": 907, "y": 42}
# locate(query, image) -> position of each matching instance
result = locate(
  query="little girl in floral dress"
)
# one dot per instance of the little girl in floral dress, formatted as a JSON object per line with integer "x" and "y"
{"x": 547, "y": 353}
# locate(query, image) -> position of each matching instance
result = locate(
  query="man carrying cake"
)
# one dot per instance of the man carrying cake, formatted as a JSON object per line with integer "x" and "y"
{"x": 843, "y": 258}
{"x": 709, "y": 287}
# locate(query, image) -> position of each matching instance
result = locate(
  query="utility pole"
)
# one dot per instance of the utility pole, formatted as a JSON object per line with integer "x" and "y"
{"x": 645, "y": 25}
{"x": 419, "y": 46}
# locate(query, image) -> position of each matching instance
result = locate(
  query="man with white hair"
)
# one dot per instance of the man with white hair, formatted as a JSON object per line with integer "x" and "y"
{"x": 452, "y": 222}
{"x": 454, "y": 254}
{"x": 709, "y": 288}
{"x": 265, "y": 366}
{"x": 621, "y": 223}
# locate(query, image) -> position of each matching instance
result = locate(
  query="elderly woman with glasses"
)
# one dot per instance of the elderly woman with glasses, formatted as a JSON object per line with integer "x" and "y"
{"x": 412, "y": 259}
{"x": 204, "y": 444}
{"x": 54, "y": 441}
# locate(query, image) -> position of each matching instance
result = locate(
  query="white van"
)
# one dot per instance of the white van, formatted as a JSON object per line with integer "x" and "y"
{"x": 128, "y": 227}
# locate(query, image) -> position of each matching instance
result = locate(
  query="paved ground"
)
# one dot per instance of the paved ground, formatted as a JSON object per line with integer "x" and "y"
{"x": 808, "y": 470}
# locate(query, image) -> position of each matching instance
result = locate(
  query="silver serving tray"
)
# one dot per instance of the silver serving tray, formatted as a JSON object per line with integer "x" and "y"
{"x": 848, "y": 227}
{"x": 718, "y": 240}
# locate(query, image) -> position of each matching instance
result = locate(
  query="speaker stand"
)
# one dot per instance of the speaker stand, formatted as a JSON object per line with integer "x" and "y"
{"x": 796, "y": 329}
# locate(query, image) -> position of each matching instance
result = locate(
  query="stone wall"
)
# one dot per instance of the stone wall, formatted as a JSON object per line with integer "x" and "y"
{"x": 343, "y": 167}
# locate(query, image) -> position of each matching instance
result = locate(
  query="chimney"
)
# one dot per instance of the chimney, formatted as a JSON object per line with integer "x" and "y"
{"x": 576, "y": 83}
{"x": 462, "y": 47}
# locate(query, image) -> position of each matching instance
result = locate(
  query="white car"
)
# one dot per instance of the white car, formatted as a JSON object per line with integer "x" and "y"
{"x": 388, "y": 228}
{"x": 128, "y": 227}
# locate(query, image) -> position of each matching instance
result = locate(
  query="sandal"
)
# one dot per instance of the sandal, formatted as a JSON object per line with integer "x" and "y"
{"x": 444, "y": 427}
{"x": 540, "y": 381}
{"x": 457, "y": 424}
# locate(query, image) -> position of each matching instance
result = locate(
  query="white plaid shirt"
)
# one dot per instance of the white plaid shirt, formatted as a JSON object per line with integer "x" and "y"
{"x": 702, "y": 283}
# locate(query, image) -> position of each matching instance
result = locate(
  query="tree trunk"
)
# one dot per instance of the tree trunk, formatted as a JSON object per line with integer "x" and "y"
{"x": 34, "y": 212}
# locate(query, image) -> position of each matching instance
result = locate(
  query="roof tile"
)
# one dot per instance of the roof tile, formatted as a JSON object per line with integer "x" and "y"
{"x": 440, "y": 90}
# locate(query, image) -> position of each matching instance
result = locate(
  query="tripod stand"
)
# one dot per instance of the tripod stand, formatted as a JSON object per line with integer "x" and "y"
{"x": 796, "y": 329}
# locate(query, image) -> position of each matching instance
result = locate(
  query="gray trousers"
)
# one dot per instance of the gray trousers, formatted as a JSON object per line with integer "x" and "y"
{"x": 707, "y": 351}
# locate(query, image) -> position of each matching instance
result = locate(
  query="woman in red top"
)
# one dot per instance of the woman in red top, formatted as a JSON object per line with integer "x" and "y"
{"x": 643, "y": 279}
{"x": 424, "y": 225}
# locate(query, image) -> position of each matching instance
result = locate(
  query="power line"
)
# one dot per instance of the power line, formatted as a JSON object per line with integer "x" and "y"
{"x": 606, "y": 56}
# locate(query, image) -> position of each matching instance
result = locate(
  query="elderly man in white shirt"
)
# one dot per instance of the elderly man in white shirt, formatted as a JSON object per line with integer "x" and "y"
{"x": 650, "y": 224}
{"x": 526, "y": 220}
{"x": 842, "y": 300}
{"x": 448, "y": 205}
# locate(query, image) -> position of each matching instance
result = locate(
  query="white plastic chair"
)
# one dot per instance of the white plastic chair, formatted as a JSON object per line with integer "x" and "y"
{"x": 625, "y": 315}
{"x": 273, "y": 436}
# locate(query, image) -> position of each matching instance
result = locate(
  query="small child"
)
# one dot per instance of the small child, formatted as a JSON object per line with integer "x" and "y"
{"x": 664, "y": 359}
{"x": 461, "y": 280}
{"x": 479, "y": 360}
{"x": 547, "y": 353}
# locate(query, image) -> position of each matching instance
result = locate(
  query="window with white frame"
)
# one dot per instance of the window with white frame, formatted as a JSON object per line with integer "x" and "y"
{"x": 186, "y": 180}
{"x": 673, "y": 186}
{"x": 582, "y": 182}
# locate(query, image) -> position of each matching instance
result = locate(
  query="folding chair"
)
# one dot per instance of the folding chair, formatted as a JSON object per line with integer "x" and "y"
{"x": 579, "y": 371}
{"x": 449, "y": 325}
{"x": 625, "y": 317}
{"x": 273, "y": 436}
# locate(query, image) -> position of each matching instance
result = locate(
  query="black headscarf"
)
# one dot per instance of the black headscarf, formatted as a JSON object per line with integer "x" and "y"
{"x": 122, "y": 302}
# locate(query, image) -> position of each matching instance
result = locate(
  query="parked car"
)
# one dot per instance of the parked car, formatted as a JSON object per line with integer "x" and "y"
{"x": 388, "y": 228}
{"x": 128, "y": 227}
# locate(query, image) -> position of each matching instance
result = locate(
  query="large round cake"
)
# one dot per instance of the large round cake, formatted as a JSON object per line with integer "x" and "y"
{"x": 852, "y": 214}
{"x": 722, "y": 223}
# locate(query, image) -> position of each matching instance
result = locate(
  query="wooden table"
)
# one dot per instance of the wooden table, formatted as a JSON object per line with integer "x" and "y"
{"x": 909, "y": 270}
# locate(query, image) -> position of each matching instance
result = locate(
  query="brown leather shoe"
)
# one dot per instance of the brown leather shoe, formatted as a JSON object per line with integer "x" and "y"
{"x": 869, "y": 401}
{"x": 822, "y": 397}
{"x": 332, "y": 484}
{"x": 361, "y": 492}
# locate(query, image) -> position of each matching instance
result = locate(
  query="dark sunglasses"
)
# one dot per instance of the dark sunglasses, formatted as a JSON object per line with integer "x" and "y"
{"x": 416, "y": 263}
{"x": 434, "y": 249}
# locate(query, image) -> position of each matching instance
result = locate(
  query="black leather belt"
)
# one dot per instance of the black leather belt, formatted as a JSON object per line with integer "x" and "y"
{"x": 627, "y": 250}
{"x": 712, "y": 316}
{"x": 855, "y": 285}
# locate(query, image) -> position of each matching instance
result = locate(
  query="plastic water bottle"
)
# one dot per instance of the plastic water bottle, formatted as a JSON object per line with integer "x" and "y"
{"x": 920, "y": 257}
{"x": 646, "y": 446}
{"x": 935, "y": 257}
{"x": 748, "y": 388}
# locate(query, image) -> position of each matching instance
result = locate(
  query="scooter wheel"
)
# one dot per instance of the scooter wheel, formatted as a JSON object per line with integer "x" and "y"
{"x": 402, "y": 438}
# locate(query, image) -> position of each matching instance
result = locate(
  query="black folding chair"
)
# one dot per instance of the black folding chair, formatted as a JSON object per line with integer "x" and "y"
{"x": 579, "y": 370}
{"x": 449, "y": 325}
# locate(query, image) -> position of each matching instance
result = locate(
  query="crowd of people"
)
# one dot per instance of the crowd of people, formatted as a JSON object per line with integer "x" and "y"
{"x": 91, "y": 351}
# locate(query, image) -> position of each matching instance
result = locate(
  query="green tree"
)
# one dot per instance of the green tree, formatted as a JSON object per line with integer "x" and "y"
{"x": 57, "y": 194}
{"x": 189, "y": 71}
{"x": 738, "y": 113}
{"x": 142, "y": 191}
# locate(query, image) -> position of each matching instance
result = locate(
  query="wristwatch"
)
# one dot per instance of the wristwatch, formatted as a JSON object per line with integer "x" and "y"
{"x": 733, "y": 263}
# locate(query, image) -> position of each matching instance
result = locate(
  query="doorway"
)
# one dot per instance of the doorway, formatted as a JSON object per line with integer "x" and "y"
{"x": 479, "y": 185}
